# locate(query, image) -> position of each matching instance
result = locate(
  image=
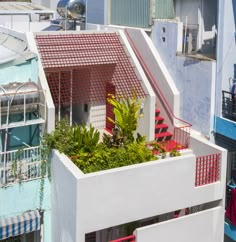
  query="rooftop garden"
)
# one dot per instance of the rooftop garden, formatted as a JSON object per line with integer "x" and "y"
{"x": 121, "y": 148}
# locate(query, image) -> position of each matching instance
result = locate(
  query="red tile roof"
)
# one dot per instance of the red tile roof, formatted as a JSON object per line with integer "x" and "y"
{"x": 84, "y": 63}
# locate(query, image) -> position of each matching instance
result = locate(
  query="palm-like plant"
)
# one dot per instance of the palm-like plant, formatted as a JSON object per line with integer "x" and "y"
{"x": 127, "y": 112}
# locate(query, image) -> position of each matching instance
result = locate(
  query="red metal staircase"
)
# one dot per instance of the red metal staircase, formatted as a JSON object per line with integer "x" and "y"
{"x": 161, "y": 133}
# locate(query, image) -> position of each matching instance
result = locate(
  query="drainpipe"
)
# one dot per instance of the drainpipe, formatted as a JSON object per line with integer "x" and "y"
{"x": 185, "y": 34}
{"x": 71, "y": 93}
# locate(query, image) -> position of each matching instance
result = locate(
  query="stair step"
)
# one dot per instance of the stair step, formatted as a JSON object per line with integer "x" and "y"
{"x": 159, "y": 118}
{"x": 163, "y": 134}
{"x": 157, "y": 111}
{"x": 161, "y": 126}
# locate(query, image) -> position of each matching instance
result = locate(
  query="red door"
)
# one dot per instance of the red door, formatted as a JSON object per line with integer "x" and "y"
{"x": 110, "y": 89}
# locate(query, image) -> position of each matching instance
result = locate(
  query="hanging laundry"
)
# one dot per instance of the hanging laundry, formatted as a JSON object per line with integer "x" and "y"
{"x": 231, "y": 208}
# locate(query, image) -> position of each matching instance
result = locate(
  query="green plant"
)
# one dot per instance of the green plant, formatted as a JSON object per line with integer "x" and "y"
{"x": 61, "y": 138}
{"x": 160, "y": 149}
{"x": 174, "y": 153}
{"x": 127, "y": 112}
{"x": 16, "y": 166}
{"x": 107, "y": 158}
{"x": 69, "y": 139}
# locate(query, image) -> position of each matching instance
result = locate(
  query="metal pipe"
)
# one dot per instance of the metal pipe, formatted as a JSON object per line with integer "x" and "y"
{"x": 66, "y": 17}
{"x": 71, "y": 92}
{"x": 59, "y": 98}
{"x": 24, "y": 108}
{"x": 185, "y": 33}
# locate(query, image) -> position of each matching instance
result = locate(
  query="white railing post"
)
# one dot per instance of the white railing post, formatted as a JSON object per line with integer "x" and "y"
{"x": 30, "y": 160}
{"x": 24, "y": 108}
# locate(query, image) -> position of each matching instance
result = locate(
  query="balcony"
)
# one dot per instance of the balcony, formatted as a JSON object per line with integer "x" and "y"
{"x": 126, "y": 194}
{"x": 20, "y": 165}
{"x": 229, "y": 105}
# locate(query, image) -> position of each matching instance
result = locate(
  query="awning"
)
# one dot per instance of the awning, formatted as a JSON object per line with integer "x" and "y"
{"x": 24, "y": 223}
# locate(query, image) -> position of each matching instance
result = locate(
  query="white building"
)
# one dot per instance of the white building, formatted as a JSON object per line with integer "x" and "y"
{"x": 146, "y": 197}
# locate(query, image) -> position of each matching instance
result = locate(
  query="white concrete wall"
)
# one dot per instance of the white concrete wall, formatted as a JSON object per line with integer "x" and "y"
{"x": 201, "y": 147}
{"x": 204, "y": 226}
{"x": 149, "y": 103}
{"x": 117, "y": 196}
{"x": 64, "y": 198}
{"x": 22, "y": 23}
{"x": 164, "y": 81}
{"x": 50, "y": 124}
{"x": 97, "y": 116}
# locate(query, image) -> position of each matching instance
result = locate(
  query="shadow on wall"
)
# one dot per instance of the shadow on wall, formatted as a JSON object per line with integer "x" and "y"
{"x": 190, "y": 61}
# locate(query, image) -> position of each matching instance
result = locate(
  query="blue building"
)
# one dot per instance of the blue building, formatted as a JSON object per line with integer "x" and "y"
{"x": 24, "y": 186}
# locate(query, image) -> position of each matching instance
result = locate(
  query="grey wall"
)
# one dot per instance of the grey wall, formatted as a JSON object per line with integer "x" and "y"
{"x": 95, "y": 11}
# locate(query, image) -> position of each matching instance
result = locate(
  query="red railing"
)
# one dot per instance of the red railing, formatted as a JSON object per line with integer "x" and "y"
{"x": 130, "y": 238}
{"x": 207, "y": 169}
{"x": 182, "y": 132}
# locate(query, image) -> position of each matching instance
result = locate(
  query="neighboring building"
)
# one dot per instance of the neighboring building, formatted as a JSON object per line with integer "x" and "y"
{"x": 25, "y": 16}
{"x": 25, "y": 206}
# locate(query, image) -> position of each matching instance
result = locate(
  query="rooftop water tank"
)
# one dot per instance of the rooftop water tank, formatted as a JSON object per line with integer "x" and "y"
{"x": 72, "y": 9}
{"x": 20, "y": 96}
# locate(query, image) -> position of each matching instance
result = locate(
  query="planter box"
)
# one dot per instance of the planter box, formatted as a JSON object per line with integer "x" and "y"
{"x": 108, "y": 198}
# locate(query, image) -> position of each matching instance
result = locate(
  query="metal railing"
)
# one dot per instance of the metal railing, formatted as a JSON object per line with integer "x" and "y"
{"x": 207, "y": 169}
{"x": 182, "y": 130}
{"x": 130, "y": 238}
{"x": 21, "y": 165}
{"x": 229, "y": 105}
{"x": 22, "y": 103}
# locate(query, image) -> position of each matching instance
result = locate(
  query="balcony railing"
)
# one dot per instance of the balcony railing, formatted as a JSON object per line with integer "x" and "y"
{"x": 130, "y": 238}
{"x": 22, "y": 103}
{"x": 229, "y": 105}
{"x": 21, "y": 165}
{"x": 207, "y": 169}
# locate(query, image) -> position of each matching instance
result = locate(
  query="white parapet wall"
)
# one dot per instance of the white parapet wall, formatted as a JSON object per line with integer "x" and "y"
{"x": 83, "y": 203}
{"x": 205, "y": 226}
{"x": 149, "y": 101}
{"x": 50, "y": 124}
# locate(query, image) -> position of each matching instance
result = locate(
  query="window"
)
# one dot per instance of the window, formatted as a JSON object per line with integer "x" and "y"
{"x": 233, "y": 160}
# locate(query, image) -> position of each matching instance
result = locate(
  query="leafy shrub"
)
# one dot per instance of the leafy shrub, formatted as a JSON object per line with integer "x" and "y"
{"x": 107, "y": 158}
{"x": 71, "y": 139}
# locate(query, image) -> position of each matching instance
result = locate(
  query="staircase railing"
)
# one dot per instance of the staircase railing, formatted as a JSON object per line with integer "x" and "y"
{"x": 130, "y": 238}
{"x": 181, "y": 128}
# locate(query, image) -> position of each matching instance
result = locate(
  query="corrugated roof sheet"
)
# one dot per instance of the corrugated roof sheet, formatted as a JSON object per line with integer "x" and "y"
{"x": 12, "y": 48}
{"x": 22, "y": 7}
